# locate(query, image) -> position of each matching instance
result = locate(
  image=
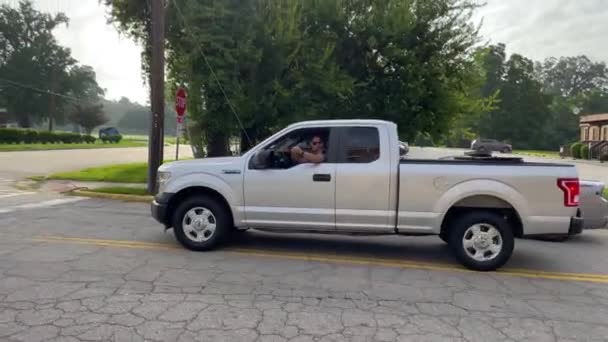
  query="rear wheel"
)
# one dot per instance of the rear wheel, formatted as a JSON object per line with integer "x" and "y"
{"x": 201, "y": 223}
{"x": 482, "y": 149}
{"x": 506, "y": 150}
{"x": 444, "y": 237}
{"x": 481, "y": 240}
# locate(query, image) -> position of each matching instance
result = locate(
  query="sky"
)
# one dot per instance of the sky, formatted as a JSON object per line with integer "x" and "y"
{"x": 534, "y": 28}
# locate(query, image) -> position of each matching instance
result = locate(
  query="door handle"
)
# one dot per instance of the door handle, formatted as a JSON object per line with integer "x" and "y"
{"x": 321, "y": 177}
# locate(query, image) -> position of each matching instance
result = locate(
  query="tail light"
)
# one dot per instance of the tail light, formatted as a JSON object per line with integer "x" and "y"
{"x": 572, "y": 189}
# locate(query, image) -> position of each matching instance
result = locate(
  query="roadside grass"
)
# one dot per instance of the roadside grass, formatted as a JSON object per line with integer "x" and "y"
{"x": 606, "y": 193}
{"x": 171, "y": 140}
{"x": 119, "y": 173}
{"x": 36, "y": 178}
{"x": 538, "y": 153}
{"x": 123, "y": 190}
{"x": 45, "y": 147}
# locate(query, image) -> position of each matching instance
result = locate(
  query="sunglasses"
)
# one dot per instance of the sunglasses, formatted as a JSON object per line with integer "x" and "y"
{"x": 316, "y": 142}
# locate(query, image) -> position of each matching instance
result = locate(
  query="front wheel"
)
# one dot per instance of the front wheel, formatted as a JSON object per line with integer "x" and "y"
{"x": 506, "y": 150}
{"x": 201, "y": 223}
{"x": 481, "y": 240}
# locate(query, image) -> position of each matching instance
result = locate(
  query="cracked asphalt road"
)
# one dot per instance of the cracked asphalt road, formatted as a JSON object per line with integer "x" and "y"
{"x": 98, "y": 270}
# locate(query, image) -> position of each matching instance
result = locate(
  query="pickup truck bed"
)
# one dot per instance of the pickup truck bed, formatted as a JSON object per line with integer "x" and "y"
{"x": 527, "y": 190}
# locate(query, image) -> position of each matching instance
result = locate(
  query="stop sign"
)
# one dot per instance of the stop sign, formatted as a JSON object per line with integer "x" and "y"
{"x": 180, "y": 103}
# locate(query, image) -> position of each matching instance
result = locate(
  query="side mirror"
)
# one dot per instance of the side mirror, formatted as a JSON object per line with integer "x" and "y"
{"x": 403, "y": 150}
{"x": 261, "y": 160}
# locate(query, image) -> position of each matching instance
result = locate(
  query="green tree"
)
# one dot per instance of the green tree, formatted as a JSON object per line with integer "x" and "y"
{"x": 572, "y": 76}
{"x": 522, "y": 111}
{"x": 279, "y": 61}
{"x": 483, "y": 82}
{"x": 577, "y": 85}
{"x": 88, "y": 116}
{"x": 595, "y": 102}
{"x": 39, "y": 79}
{"x": 31, "y": 58}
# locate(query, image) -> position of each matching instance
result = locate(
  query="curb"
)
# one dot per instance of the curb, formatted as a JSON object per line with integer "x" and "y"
{"x": 116, "y": 197}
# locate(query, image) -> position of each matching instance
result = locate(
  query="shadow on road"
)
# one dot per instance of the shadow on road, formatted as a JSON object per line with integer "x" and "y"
{"x": 428, "y": 249}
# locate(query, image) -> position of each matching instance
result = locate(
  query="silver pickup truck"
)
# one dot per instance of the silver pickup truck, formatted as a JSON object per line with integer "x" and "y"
{"x": 365, "y": 187}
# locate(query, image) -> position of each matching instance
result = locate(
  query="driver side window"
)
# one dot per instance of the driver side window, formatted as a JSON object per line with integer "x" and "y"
{"x": 280, "y": 154}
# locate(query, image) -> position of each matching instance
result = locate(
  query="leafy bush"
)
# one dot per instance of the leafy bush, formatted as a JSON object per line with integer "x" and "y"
{"x": 89, "y": 139}
{"x": 575, "y": 150}
{"x": 585, "y": 152}
{"x": 47, "y": 137}
{"x": 30, "y": 137}
{"x": 71, "y": 138}
{"x": 11, "y": 136}
{"x": 18, "y": 136}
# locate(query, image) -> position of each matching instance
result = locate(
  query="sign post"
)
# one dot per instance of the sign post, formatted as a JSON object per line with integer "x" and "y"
{"x": 180, "y": 109}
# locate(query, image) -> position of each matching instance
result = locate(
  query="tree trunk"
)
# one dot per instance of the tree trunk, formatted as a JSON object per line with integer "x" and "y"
{"x": 217, "y": 144}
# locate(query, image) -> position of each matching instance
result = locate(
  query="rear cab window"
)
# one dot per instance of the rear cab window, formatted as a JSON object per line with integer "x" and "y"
{"x": 359, "y": 145}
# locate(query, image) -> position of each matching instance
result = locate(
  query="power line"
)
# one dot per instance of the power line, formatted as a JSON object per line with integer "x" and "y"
{"x": 39, "y": 90}
{"x": 213, "y": 74}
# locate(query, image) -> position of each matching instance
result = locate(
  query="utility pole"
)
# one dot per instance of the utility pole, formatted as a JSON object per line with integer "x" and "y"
{"x": 157, "y": 94}
{"x": 52, "y": 105}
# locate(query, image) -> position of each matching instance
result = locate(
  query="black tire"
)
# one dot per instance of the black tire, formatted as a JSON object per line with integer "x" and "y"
{"x": 444, "y": 237}
{"x": 482, "y": 149}
{"x": 223, "y": 225}
{"x": 506, "y": 150}
{"x": 459, "y": 227}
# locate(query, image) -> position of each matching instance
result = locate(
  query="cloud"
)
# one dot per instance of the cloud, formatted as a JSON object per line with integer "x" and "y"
{"x": 115, "y": 58}
{"x": 535, "y": 28}
{"x": 543, "y": 28}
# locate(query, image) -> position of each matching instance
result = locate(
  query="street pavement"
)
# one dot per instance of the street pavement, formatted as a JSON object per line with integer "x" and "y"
{"x": 103, "y": 270}
{"x": 79, "y": 269}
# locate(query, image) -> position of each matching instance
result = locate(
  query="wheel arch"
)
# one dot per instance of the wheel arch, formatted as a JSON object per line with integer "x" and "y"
{"x": 486, "y": 195}
{"x": 193, "y": 191}
{"x": 484, "y": 203}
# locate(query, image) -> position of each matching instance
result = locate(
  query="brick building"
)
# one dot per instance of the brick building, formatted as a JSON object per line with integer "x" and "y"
{"x": 594, "y": 127}
{"x": 594, "y": 131}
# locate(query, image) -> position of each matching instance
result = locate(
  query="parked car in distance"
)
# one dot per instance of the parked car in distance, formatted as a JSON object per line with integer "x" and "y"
{"x": 490, "y": 145}
{"x": 110, "y": 134}
{"x": 478, "y": 205}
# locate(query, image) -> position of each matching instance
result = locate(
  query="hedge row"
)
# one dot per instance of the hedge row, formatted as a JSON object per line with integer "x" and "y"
{"x": 576, "y": 150}
{"x": 22, "y": 136}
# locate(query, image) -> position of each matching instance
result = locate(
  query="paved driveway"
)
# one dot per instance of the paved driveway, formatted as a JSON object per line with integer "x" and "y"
{"x": 35, "y": 163}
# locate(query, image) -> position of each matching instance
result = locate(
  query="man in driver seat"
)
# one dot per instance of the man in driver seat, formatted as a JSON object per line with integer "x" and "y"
{"x": 313, "y": 155}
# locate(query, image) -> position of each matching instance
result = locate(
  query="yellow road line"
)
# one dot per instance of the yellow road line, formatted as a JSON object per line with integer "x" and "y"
{"x": 106, "y": 244}
{"x": 601, "y": 278}
{"x": 104, "y": 241}
{"x": 353, "y": 260}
